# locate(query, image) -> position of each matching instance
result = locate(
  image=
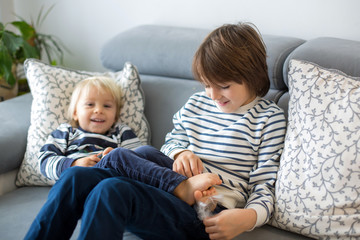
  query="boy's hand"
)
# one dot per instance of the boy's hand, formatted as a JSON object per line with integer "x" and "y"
{"x": 106, "y": 151}
{"x": 89, "y": 161}
{"x": 187, "y": 164}
{"x": 229, "y": 223}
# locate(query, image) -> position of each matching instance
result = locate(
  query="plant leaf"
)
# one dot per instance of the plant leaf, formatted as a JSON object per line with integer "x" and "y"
{"x": 12, "y": 42}
{"x": 5, "y": 67}
{"x": 41, "y": 17}
{"x": 30, "y": 51}
{"x": 27, "y": 31}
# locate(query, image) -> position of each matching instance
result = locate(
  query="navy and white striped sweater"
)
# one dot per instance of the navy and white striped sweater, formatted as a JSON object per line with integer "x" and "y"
{"x": 243, "y": 148}
{"x": 66, "y": 144}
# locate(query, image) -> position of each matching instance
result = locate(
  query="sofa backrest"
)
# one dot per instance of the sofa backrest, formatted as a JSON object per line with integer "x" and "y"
{"x": 168, "y": 51}
{"x": 333, "y": 53}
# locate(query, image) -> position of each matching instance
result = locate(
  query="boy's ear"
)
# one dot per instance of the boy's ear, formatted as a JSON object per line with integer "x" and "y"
{"x": 74, "y": 116}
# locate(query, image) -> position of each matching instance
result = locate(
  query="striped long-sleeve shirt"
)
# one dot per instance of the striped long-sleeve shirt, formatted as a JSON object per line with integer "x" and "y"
{"x": 243, "y": 148}
{"x": 66, "y": 144}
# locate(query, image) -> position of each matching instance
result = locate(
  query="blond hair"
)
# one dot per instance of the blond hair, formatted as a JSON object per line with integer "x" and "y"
{"x": 101, "y": 83}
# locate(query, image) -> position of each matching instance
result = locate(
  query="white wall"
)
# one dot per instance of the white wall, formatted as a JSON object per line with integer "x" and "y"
{"x": 6, "y": 11}
{"x": 85, "y": 25}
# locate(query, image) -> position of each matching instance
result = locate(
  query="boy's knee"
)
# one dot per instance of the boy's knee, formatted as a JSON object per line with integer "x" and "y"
{"x": 113, "y": 186}
{"x": 111, "y": 156}
{"x": 146, "y": 150}
{"x": 143, "y": 148}
{"x": 78, "y": 172}
{"x": 108, "y": 182}
{"x": 118, "y": 152}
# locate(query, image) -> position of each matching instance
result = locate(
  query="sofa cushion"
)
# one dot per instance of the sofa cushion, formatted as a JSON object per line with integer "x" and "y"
{"x": 51, "y": 88}
{"x": 318, "y": 187}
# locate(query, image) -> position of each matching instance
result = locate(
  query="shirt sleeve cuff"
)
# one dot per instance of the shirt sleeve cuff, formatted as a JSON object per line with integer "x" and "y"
{"x": 261, "y": 215}
{"x": 176, "y": 151}
{"x": 67, "y": 163}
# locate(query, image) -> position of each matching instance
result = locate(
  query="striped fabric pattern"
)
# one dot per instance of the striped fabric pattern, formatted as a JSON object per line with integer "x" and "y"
{"x": 243, "y": 148}
{"x": 67, "y": 144}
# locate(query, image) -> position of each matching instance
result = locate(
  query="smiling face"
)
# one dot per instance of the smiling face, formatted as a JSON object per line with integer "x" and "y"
{"x": 95, "y": 110}
{"x": 229, "y": 96}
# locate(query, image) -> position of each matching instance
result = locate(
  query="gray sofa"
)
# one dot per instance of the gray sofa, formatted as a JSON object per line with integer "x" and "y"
{"x": 163, "y": 57}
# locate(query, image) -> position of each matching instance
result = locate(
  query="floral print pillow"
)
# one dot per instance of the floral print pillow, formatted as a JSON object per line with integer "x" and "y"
{"x": 318, "y": 186}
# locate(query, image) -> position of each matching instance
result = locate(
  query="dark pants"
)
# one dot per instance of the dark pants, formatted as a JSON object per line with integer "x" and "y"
{"x": 109, "y": 203}
{"x": 146, "y": 164}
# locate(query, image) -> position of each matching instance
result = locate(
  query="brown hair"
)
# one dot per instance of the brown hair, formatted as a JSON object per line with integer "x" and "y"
{"x": 233, "y": 52}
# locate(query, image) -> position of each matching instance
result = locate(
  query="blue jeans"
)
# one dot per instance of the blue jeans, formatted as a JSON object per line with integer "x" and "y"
{"x": 121, "y": 203}
{"x": 109, "y": 203}
{"x": 145, "y": 164}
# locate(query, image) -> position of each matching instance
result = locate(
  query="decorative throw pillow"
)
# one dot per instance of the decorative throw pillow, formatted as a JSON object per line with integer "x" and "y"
{"x": 51, "y": 88}
{"x": 318, "y": 186}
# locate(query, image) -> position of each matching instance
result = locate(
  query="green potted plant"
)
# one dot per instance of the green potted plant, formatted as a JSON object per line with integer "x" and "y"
{"x": 27, "y": 42}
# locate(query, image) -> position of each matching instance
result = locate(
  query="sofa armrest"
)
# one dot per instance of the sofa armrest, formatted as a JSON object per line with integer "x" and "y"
{"x": 14, "y": 124}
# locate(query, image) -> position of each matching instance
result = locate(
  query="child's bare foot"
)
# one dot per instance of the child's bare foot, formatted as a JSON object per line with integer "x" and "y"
{"x": 197, "y": 187}
{"x": 207, "y": 201}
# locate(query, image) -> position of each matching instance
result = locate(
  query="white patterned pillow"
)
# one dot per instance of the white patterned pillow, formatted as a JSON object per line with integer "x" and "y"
{"x": 318, "y": 186}
{"x": 51, "y": 88}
